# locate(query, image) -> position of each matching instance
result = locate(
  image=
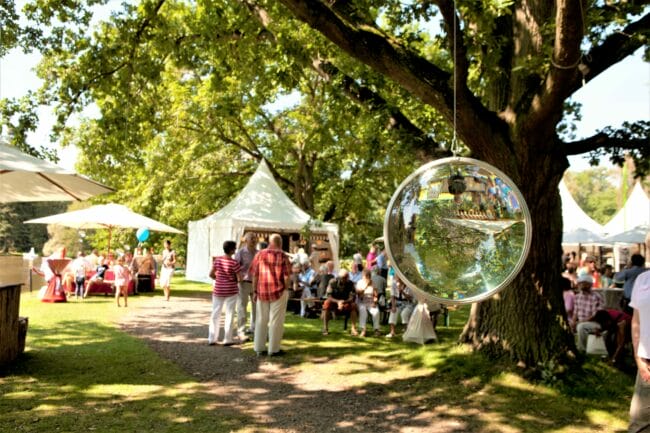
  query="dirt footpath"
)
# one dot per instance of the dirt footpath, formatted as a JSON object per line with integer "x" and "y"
{"x": 277, "y": 395}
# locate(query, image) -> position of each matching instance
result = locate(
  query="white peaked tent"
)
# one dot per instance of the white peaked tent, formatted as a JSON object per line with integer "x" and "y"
{"x": 261, "y": 205}
{"x": 573, "y": 217}
{"x": 636, "y": 212}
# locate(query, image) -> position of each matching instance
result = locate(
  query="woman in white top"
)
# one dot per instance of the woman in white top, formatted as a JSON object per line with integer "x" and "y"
{"x": 367, "y": 303}
{"x": 168, "y": 264}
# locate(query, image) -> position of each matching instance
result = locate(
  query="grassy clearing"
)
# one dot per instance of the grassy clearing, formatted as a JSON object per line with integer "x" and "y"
{"x": 81, "y": 373}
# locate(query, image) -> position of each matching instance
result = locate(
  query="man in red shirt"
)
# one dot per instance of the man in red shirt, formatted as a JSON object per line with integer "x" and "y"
{"x": 270, "y": 271}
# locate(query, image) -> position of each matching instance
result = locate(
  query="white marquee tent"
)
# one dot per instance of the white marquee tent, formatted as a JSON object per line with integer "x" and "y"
{"x": 636, "y": 212}
{"x": 574, "y": 218}
{"x": 261, "y": 205}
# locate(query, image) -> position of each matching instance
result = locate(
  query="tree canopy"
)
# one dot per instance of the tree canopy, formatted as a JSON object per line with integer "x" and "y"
{"x": 342, "y": 98}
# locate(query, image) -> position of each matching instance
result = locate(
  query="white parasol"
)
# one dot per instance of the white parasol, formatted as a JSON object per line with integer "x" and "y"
{"x": 104, "y": 216}
{"x": 26, "y": 178}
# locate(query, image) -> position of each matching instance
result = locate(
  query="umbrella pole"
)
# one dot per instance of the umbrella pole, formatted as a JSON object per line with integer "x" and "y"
{"x": 110, "y": 232}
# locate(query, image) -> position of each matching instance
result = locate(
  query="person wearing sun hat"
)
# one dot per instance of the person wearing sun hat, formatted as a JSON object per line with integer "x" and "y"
{"x": 585, "y": 306}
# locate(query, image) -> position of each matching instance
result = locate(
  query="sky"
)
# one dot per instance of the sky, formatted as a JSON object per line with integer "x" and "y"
{"x": 622, "y": 93}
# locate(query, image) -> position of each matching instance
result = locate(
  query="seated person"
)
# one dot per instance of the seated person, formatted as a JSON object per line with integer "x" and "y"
{"x": 322, "y": 280}
{"x": 340, "y": 298}
{"x": 569, "y": 298}
{"x": 102, "y": 267}
{"x": 618, "y": 327}
{"x": 295, "y": 290}
{"x": 367, "y": 304}
{"x": 355, "y": 273}
{"x": 306, "y": 279}
{"x": 379, "y": 283}
{"x": 585, "y": 305}
{"x": 402, "y": 304}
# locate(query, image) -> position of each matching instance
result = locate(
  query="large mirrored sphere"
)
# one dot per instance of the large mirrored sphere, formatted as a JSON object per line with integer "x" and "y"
{"x": 457, "y": 230}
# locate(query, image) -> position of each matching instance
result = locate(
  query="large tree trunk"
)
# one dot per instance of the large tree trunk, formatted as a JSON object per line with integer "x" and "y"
{"x": 531, "y": 309}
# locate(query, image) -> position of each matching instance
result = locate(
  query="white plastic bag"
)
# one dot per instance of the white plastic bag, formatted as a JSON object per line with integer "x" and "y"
{"x": 420, "y": 328}
{"x": 596, "y": 345}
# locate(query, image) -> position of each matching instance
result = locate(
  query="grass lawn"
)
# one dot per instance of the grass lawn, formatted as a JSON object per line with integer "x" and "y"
{"x": 81, "y": 373}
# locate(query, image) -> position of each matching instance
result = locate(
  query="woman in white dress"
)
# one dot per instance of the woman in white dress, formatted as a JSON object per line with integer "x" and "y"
{"x": 168, "y": 264}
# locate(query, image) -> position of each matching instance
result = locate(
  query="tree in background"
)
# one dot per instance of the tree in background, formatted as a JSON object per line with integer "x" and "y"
{"x": 16, "y": 237}
{"x": 185, "y": 92}
{"x": 595, "y": 191}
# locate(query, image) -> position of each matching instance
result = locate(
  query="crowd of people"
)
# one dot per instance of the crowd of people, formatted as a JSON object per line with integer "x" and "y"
{"x": 86, "y": 271}
{"x": 277, "y": 282}
{"x": 586, "y": 309}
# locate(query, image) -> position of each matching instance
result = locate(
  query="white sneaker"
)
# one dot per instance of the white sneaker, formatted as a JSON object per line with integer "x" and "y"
{"x": 390, "y": 335}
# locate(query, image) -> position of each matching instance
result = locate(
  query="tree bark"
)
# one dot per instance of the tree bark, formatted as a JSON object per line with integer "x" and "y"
{"x": 527, "y": 320}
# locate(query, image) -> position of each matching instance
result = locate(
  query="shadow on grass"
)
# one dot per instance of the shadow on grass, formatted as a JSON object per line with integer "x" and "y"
{"x": 80, "y": 378}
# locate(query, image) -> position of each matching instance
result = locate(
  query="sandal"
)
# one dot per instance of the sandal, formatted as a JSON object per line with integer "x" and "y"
{"x": 325, "y": 332}
{"x": 354, "y": 333}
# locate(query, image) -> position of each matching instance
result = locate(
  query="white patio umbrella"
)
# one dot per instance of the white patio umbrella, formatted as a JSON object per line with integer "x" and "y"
{"x": 26, "y": 178}
{"x": 104, "y": 216}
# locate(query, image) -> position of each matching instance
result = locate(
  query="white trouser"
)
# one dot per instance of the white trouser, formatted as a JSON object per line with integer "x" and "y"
{"x": 363, "y": 315}
{"x": 403, "y": 311}
{"x": 583, "y": 330}
{"x": 306, "y": 293}
{"x": 270, "y": 323}
{"x": 218, "y": 302}
{"x": 245, "y": 292}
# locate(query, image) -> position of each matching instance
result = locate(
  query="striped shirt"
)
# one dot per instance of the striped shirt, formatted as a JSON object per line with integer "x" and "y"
{"x": 586, "y": 305}
{"x": 225, "y": 281}
{"x": 270, "y": 267}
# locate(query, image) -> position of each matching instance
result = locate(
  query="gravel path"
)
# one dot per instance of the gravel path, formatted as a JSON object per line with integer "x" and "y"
{"x": 272, "y": 391}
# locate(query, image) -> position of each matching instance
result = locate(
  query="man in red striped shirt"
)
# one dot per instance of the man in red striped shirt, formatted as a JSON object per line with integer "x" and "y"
{"x": 270, "y": 271}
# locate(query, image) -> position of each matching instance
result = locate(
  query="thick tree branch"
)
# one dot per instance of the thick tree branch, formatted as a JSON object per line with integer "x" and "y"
{"x": 566, "y": 58}
{"x": 425, "y": 147}
{"x": 383, "y": 54}
{"x": 602, "y": 140}
{"x": 615, "y": 48}
{"x": 424, "y": 80}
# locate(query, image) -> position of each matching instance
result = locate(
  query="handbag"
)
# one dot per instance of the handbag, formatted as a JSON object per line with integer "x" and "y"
{"x": 596, "y": 345}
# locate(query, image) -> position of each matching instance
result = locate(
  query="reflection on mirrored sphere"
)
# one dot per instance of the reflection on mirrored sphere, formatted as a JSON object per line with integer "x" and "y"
{"x": 457, "y": 230}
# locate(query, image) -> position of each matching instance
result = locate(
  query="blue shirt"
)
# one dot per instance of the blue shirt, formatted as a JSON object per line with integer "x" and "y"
{"x": 627, "y": 277}
{"x": 306, "y": 277}
{"x": 381, "y": 261}
{"x": 355, "y": 276}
